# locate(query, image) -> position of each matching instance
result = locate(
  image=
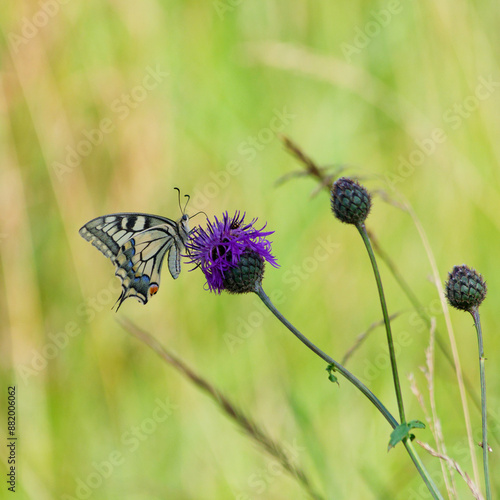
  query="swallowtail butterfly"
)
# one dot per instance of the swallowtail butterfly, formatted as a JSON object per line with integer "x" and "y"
{"x": 137, "y": 244}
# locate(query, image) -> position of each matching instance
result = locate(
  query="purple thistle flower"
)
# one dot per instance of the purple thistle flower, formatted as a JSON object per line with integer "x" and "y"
{"x": 226, "y": 243}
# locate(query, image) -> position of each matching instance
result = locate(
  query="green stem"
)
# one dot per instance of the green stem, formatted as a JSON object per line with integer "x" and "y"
{"x": 420, "y": 310}
{"x": 346, "y": 373}
{"x": 399, "y": 396}
{"x": 358, "y": 384}
{"x": 477, "y": 323}
{"x": 408, "y": 443}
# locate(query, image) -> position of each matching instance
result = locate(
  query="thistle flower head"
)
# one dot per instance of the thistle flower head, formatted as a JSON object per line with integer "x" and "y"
{"x": 351, "y": 202}
{"x": 465, "y": 288}
{"x": 231, "y": 253}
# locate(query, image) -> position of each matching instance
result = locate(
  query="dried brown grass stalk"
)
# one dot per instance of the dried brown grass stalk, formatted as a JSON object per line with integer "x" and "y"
{"x": 363, "y": 336}
{"x": 455, "y": 465}
{"x": 251, "y": 429}
{"x": 431, "y": 418}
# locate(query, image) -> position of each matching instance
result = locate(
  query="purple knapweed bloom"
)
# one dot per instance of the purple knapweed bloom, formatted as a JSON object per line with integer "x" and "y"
{"x": 228, "y": 244}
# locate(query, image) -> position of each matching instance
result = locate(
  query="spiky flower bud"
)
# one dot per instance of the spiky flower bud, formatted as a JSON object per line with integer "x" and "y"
{"x": 465, "y": 288}
{"x": 351, "y": 202}
{"x": 246, "y": 275}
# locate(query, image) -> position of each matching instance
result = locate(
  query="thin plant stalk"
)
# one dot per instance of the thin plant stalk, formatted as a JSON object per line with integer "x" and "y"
{"x": 359, "y": 385}
{"x": 464, "y": 384}
{"x": 420, "y": 310}
{"x": 231, "y": 410}
{"x": 390, "y": 342}
{"x": 453, "y": 343}
{"x": 477, "y": 324}
{"x": 453, "y": 464}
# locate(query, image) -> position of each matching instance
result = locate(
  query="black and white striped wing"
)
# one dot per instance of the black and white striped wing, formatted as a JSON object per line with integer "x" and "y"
{"x": 109, "y": 232}
{"x": 137, "y": 245}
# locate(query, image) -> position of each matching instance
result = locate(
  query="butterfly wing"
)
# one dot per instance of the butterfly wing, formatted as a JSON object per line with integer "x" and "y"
{"x": 139, "y": 262}
{"x": 109, "y": 232}
{"x": 137, "y": 245}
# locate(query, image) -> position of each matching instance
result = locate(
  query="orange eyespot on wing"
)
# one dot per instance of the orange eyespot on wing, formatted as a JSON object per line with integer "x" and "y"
{"x": 153, "y": 289}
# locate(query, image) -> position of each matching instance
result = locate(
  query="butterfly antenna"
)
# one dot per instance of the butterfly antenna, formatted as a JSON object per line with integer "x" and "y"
{"x": 200, "y": 212}
{"x": 187, "y": 201}
{"x": 178, "y": 197}
{"x": 183, "y": 210}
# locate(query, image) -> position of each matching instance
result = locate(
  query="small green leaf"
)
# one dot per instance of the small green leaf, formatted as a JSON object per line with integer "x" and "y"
{"x": 402, "y": 431}
{"x": 397, "y": 435}
{"x": 416, "y": 424}
{"x": 331, "y": 377}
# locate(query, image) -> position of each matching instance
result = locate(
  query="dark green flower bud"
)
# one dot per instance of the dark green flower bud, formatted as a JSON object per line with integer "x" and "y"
{"x": 351, "y": 202}
{"x": 248, "y": 273}
{"x": 465, "y": 288}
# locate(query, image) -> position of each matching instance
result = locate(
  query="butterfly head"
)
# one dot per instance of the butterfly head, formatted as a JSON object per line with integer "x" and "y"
{"x": 183, "y": 225}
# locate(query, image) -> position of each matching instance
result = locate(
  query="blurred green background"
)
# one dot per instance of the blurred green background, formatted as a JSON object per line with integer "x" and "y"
{"x": 106, "y": 106}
